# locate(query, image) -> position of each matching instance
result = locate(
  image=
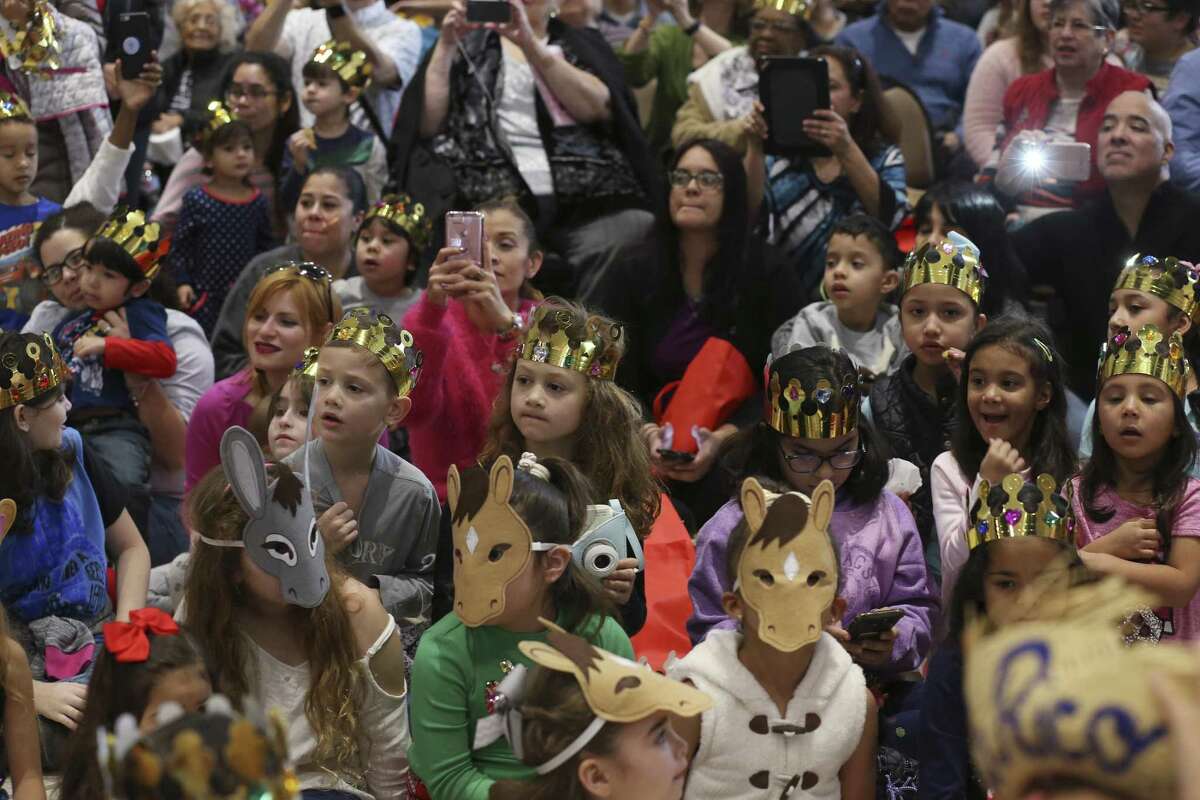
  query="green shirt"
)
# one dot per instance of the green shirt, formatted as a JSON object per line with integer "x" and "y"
{"x": 448, "y": 690}
{"x": 669, "y": 59}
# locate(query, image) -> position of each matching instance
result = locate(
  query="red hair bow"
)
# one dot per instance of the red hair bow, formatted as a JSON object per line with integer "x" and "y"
{"x": 128, "y": 642}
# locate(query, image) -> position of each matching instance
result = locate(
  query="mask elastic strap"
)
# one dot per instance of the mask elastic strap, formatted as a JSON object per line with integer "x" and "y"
{"x": 222, "y": 542}
{"x": 574, "y": 747}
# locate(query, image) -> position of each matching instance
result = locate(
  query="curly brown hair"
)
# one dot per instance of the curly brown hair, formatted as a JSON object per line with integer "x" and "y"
{"x": 213, "y": 599}
{"x": 610, "y": 449}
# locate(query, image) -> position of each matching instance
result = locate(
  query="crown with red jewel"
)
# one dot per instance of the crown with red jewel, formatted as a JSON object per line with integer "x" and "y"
{"x": 561, "y": 337}
{"x": 1017, "y": 507}
{"x": 24, "y": 378}
{"x": 1146, "y": 352}
{"x": 142, "y": 240}
{"x": 953, "y": 262}
{"x": 1167, "y": 278}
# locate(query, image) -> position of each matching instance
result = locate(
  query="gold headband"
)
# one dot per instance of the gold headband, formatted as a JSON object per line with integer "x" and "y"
{"x": 817, "y": 412}
{"x": 556, "y": 337}
{"x": 347, "y": 63}
{"x": 1167, "y": 279}
{"x": 1016, "y": 508}
{"x": 1146, "y": 353}
{"x": 947, "y": 264}
{"x": 382, "y": 338}
{"x": 216, "y": 116}
{"x": 401, "y": 211}
{"x": 142, "y": 240}
{"x": 797, "y": 8}
{"x": 45, "y": 371}
{"x": 37, "y": 46}
{"x": 13, "y": 107}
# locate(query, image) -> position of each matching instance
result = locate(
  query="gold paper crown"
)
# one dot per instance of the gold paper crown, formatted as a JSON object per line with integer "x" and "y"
{"x": 1146, "y": 353}
{"x": 137, "y": 237}
{"x": 13, "y": 107}
{"x": 42, "y": 370}
{"x": 37, "y": 46}
{"x": 382, "y": 338}
{"x": 1168, "y": 279}
{"x": 401, "y": 211}
{"x": 216, "y": 116}
{"x": 559, "y": 338}
{"x": 1016, "y": 508}
{"x": 821, "y": 411}
{"x": 948, "y": 264}
{"x": 347, "y": 63}
{"x": 797, "y": 8}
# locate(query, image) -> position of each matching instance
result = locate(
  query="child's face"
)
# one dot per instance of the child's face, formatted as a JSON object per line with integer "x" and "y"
{"x": 797, "y": 455}
{"x": 287, "y": 430}
{"x": 356, "y": 397}
{"x": 1132, "y": 309}
{"x": 511, "y": 260}
{"x": 188, "y": 686}
{"x": 18, "y": 157}
{"x": 44, "y": 425}
{"x": 105, "y": 289}
{"x": 649, "y": 762}
{"x": 934, "y": 318}
{"x": 547, "y": 402}
{"x": 325, "y": 94}
{"x": 382, "y": 255}
{"x": 855, "y": 277}
{"x": 1003, "y": 398}
{"x": 1137, "y": 416}
{"x": 276, "y": 334}
{"x": 1013, "y": 564}
{"x": 232, "y": 160}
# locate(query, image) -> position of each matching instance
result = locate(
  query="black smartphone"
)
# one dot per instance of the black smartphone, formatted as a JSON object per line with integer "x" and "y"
{"x": 873, "y": 624}
{"x": 676, "y": 456}
{"x": 497, "y": 11}
{"x": 791, "y": 89}
{"x": 132, "y": 32}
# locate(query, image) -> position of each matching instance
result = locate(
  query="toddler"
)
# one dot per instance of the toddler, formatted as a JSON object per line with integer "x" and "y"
{"x": 386, "y": 252}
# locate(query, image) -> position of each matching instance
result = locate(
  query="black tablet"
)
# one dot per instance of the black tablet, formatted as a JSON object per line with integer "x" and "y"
{"x": 790, "y": 90}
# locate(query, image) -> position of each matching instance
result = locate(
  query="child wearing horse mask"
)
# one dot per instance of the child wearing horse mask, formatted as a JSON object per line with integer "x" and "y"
{"x": 791, "y": 709}
{"x": 281, "y": 624}
{"x": 513, "y": 565}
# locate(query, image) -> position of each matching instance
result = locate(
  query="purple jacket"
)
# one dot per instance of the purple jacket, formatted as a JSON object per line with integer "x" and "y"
{"x": 882, "y": 565}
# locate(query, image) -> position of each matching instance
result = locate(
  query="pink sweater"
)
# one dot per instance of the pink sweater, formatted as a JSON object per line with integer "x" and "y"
{"x": 222, "y": 406}
{"x": 461, "y": 373}
{"x": 983, "y": 111}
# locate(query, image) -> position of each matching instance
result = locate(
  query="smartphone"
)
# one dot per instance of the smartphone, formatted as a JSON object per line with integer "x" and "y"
{"x": 1062, "y": 161}
{"x": 481, "y": 11}
{"x": 132, "y": 31}
{"x": 873, "y": 624}
{"x": 791, "y": 89}
{"x": 465, "y": 229}
{"x": 676, "y": 456}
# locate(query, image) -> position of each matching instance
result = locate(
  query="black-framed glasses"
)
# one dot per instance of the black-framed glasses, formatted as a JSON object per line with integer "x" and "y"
{"x": 254, "y": 92}
{"x": 1142, "y": 7}
{"x": 73, "y": 261}
{"x": 807, "y": 463}
{"x": 312, "y": 272}
{"x": 1077, "y": 26}
{"x": 707, "y": 179}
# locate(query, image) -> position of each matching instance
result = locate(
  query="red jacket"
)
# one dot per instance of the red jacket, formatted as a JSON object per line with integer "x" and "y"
{"x": 1029, "y": 98}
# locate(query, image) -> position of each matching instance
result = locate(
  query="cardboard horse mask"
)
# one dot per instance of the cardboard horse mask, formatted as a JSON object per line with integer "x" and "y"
{"x": 281, "y": 536}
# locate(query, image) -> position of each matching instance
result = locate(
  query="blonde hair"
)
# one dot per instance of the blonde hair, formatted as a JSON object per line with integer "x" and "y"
{"x": 213, "y": 597}
{"x": 227, "y": 17}
{"x": 609, "y": 449}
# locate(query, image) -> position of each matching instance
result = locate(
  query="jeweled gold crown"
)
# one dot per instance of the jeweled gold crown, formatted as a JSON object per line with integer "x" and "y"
{"x": 1145, "y": 353}
{"x": 561, "y": 339}
{"x": 13, "y": 107}
{"x": 410, "y": 217}
{"x": 347, "y": 63}
{"x": 953, "y": 262}
{"x": 1168, "y": 279}
{"x": 382, "y": 338}
{"x": 798, "y": 8}
{"x": 23, "y": 379}
{"x": 1016, "y": 508}
{"x": 142, "y": 240}
{"x": 820, "y": 411}
{"x": 37, "y": 47}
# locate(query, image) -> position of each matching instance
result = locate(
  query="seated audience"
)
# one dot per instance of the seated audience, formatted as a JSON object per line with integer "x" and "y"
{"x": 1182, "y": 103}
{"x": 192, "y": 77}
{"x": 1156, "y": 36}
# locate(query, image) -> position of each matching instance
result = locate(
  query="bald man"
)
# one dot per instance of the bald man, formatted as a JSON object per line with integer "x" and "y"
{"x": 1079, "y": 253}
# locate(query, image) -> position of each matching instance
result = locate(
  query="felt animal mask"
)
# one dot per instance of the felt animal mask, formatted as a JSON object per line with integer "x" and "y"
{"x": 281, "y": 536}
{"x": 492, "y": 544}
{"x": 788, "y": 571}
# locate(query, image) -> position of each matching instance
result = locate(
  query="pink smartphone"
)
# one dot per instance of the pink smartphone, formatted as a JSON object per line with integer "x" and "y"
{"x": 465, "y": 229}
{"x": 1065, "y": 161}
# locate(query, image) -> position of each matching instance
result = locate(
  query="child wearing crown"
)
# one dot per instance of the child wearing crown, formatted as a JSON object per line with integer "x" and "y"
{"x": 1137, "y": 505}
{"x": 120, "y": 262}
{"x": 223, "y": 223}
{"x": 334, "y": 79}
{"x": 387, "y": 249}
{"x": 378, "y": 513}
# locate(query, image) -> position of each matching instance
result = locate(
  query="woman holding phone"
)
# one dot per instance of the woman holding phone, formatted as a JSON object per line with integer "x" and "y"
{"x": 864, "y": 172}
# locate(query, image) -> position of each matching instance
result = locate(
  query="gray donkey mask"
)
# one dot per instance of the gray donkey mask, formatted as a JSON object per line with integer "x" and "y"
{"x": 281, "y": 536}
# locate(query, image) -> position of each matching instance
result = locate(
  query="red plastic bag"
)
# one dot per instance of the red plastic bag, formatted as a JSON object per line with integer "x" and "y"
{"x": 716, "y": 382}
{"x": 670, "y": 557}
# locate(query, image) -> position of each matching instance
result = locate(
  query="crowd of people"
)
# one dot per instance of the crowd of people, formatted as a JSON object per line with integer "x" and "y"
{"x": 475, "y": 400}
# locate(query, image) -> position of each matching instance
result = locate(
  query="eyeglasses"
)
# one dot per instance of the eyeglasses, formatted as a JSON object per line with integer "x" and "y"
{"x": 807, "y": 463}
{"x": 707, "y": 179}
{"x": 236, "y": 90}
{"x": 306, "y": 269}
{"x": 1142, "y": 7}
{"x": 1077, "y": 26}
{"x": 762, "y": 25}
{"x": 73, "y": 261}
